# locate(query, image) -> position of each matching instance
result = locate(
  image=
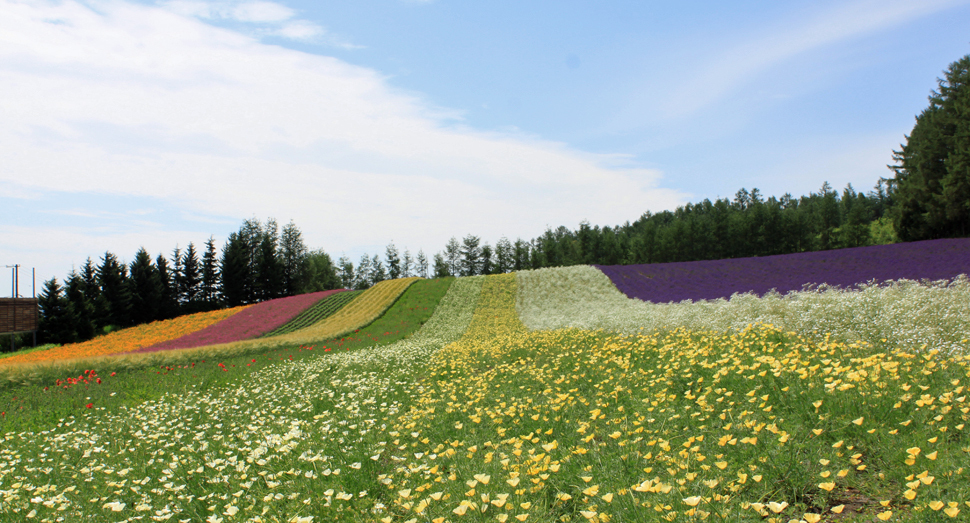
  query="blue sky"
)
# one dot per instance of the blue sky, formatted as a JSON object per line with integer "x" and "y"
{"x": 157, "y": 123}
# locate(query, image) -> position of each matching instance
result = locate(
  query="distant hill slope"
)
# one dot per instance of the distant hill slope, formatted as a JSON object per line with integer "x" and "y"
{"x": 712, "y": 279}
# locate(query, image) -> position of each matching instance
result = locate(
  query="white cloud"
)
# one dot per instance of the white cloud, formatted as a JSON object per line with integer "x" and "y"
{"x": 150, "y": 102}
{"x": 268, "y": 19}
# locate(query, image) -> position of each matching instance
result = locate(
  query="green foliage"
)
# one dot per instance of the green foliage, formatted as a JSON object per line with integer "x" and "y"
{"x": 318, "y": 312}
{"x": 933, "y": 167}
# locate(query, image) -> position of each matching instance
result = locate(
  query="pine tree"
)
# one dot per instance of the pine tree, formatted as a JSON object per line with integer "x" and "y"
{"x": 191, "y": 278}
{"x": 393, "y": 261}
{"x": 471, "y": 256}
{"x": 407, "y": 264}
{"x": 74, "y": 292}
{"x": 234, "y": 268}
{"x": 56, "y": 315}
{"x": 178, "y": 279}
{"x": 113, "y": 280}
{"x": 504, "y": 256}
{"x": 452, "y": 256}
{"x": 442, "y": 269}
{"x": 270, "y": 271}
{"x": 378, "y": 272}
{"x": 421, "y": 265}
{"x": 362, "y": 279}
{"x": 345, "y": 272}
{"x": 210, "y": 274}
{"x": 932, "y": 183}
{"x": 146, "y": 296}
{"x": 486, "y": 265}
{"x": 298, "y": 276}
{"x": 168, "y": 303}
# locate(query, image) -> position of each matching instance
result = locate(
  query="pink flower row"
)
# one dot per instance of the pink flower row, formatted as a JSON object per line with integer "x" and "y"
{"x": 251, "y": 322}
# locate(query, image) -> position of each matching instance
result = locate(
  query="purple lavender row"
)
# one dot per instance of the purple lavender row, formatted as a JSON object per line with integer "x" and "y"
{"x": 250, "y": 323}
{"x": 712, "y": 279}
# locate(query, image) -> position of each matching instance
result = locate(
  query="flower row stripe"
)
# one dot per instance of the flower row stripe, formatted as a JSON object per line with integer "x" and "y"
{"x": 255, "y": 321}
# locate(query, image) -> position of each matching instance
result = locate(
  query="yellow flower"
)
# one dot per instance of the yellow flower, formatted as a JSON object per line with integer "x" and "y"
{"x": 692, "y": 501}
{"x": 885, "y": 515}
{"x": 591, "y": 491}
{"x": 838, "y": 509}
{"x": 859, "y": 421}
{"x": 936, "y": 505}
{"x": 484, "y": 478}
{"x": 812, "y": 518}
{"x": 777, "y": 507}
{"x": 951, "y": 511}
{"x": 827, "y": 486}
{"x": 607, "y": 497}
{"x": 913, "y": 451}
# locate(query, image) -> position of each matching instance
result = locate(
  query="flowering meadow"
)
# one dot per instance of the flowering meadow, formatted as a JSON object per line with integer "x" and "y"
{"x": 253, "y": 322}
{"x": 318, "y": 312}
{"x": 539, "y": 396}
{"x": 712, "y": 279}
{"x": 127, "y": 340}
{"x": 902, "y": 315}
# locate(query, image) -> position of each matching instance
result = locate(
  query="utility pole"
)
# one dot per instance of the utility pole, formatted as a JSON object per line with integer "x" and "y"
{"x": 14, "y": 284}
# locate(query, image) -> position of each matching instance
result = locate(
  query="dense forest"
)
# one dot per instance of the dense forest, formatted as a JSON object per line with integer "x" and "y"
{"x": 928, "y": 197}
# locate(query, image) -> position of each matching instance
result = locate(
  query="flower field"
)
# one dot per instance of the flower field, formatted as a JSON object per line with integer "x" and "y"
{"x": 253, "y": 322}
{"x": 903, "y": 315}
{"x": 128, "y": 340}
{"x": 708, "y": 280}
{"x": 539, "y": 396}
{"x": 320, "y": 311}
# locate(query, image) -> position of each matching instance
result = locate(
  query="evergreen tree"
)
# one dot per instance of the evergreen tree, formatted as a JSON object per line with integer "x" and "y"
{"x": 234, "y": 268}
{"x": 168, "y": 306}
{"x": 486, "y": 266}
{"x": 504, "y": 256}
{"x": 393, "y": 261}
{"x": 452, "y": 256}
{"x": 362, "y": 279}
{"x": 210, "y": 274}
{"x": 298, "y": 274}
{"x": 146, "y": 295}
{"x": 56, "y": 315}
{"x": 521, "y": 256}
{"x": 378, "y": 272}
{"x": 178, "y": 278}
{"x": 345, "y": 272}
{"x": 74, "y": 291}
{"x": 932, "y": 183}
{"x": 407, "y": 264}
{"x": 270, "y": 270}
{"x": 191, "y": 277}
{"x": 113, "y": 280}
{"x": 470, "y": 263}
{"x": 92, "y": 290}
{"x": 442, "y": 269}
{"x": 421, "y": 265}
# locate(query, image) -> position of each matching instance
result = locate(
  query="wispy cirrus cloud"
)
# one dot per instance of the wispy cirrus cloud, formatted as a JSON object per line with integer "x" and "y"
{"x": 735, "y": 66}
{"x": 264, "y": 18}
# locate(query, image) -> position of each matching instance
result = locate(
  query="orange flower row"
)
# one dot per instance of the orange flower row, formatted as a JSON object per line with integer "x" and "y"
{"x": 130, "y": 339}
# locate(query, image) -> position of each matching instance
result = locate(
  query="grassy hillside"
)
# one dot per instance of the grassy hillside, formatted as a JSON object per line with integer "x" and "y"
{"x": 537, "y": 396}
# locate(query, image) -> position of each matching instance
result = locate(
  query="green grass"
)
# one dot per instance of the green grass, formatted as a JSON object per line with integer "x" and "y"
{"x": 28, "y": 350}
{"x": 318, "y": 312}
{"x": 50, "y": 398}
